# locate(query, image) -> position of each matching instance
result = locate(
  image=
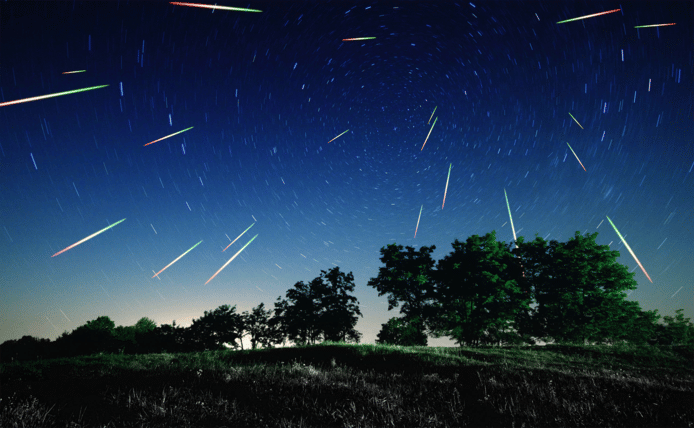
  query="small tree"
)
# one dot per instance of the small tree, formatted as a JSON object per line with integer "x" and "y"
{"x": 400, "y": 331}
{"x": 257, "y": 326}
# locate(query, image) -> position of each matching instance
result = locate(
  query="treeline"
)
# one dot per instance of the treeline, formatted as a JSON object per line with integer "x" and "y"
{"x": 483, "y": 292}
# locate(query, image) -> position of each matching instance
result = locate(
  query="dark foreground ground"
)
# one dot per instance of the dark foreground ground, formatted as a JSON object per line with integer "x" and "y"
{"x": 338, "y": 385}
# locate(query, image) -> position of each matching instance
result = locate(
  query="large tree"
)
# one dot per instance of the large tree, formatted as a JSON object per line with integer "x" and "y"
{"x": 478, "y": 291}
{"x": 216, "y": 328}
{"x": 586, "y": 283}
{"x": 321, "y": 309}
{"x": 407, "y": 278}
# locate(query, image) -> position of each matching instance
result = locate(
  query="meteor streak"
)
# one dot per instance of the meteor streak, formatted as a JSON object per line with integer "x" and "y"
{"x": 214, "y": 6}
{"x": 237, "y": 237}
{"x": 432, "y": 114}
{"x": 589, "y": 16}
{"x": 225, "y": 264}
{"x": 432, "y": 128}
{"x": 509, "y": 215}
{"x": 629, "y": 248}
{"x": 654, "y": 25}
{"x": 572, "y": 117}
{"x": 43, "y": 97}
{"x": 338, "y": 137}
{"x": 356, "y": 39}
{"x": 177, "y": 259}
{"x": 579, "y": 161}
{"x": 164, "y": 138}
{"x": 418, "y": 218}
{"x": 73, "y": 72}
{"x": 88, "y": 238}
{"x": 446, "y": 191}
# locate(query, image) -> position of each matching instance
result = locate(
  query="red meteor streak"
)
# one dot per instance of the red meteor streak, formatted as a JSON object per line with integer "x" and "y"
{"x": 43, "y": 97}
{"x": 88, "y": 238}
{"x": 164, "y": 138}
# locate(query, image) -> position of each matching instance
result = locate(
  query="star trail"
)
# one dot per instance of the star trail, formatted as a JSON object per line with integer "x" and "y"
{"x": 266, "y": 92}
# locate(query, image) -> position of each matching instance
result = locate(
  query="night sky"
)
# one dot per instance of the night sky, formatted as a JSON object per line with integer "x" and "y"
{"x": 266, "y": 92}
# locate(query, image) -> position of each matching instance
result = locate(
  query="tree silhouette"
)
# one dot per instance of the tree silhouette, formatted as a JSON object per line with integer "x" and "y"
{"x": 215, "y": 328}
{"x": 399, "y": 331}
{"x": 407, "y": 279}
{"x": 320, "y": 309}
{"x": 257, "y": 326}
{"x": 478, "y": 290}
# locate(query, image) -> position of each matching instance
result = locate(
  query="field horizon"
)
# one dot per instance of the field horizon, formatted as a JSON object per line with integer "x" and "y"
{"x": 337, "y": 384}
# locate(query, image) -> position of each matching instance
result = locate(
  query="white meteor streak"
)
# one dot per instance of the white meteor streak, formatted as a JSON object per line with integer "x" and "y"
{"x": 225, "y": 264}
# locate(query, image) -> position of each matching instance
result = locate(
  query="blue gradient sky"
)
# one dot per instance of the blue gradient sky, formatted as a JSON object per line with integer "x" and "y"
{"x": 265, "y": 92}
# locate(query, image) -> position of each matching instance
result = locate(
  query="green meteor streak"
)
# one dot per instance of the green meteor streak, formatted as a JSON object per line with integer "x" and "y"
{"x": 88, "y": 237}
{"x": 572, "y": 117}
{"x": 629, "y": 248}
{"x": 234, "y": 256}
{"x": 164, "y": 138}
{"x": 509, "y": 215}
{"x": 579, "y": 161}
{"x": 338, "y": 136}
{"x": 157, "y": 274}
{"x": 43, "y": 97}
{"x": 654, "y": 25}
{"x": 237, "y": 237}
{"x": 432, "y": 114}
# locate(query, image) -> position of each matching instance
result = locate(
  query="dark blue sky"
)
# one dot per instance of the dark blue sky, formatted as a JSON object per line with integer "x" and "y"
{"x": 265, "y": 92}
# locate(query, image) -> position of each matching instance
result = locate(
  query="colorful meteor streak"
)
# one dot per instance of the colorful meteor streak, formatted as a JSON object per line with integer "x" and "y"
{"x": 446, "y": 191}
{"x": 164, "y": 138}
{"x": 237, "y": 237}
{"x": 432, "y": 114}
{"x": 356, "y": 39}
{"x": 418, "y": 218}
{"x": 572, "y": 117}
{"x": 88, "y": 237}
{"x": 509, "y": 216}
{"x": 427, "y": 139}
{"x": 589, "y": 16}
{"x": 338, "y": 136}
{"x": 654, "y": 25}
{"x": 43, "y": 97}
{"x": 225, "y": 264}
{"x": 73, "y": 72}
{"x": 629, "y": 248}
{"x": 214, "y": 6}
{"x": 177, "y": 259}
{"x": 579, "y": 161}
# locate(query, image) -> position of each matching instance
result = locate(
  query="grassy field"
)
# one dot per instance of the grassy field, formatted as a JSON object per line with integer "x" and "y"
{"x": 338, "y": 385}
